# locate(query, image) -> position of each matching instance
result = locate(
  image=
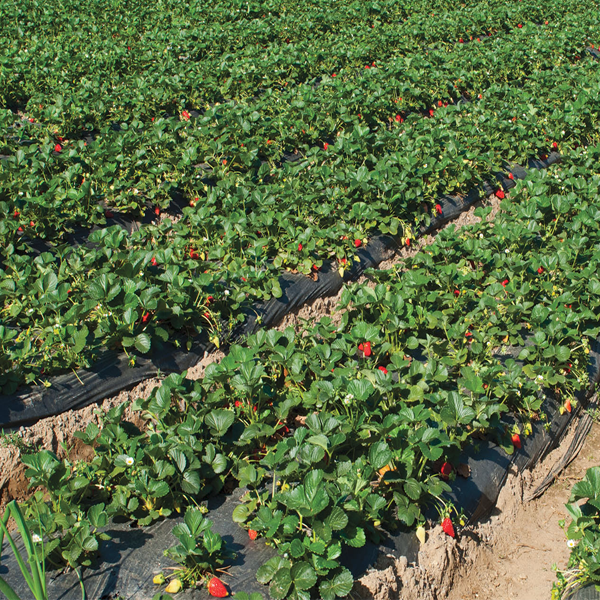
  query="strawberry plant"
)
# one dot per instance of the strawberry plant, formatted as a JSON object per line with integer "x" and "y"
{"x": 266, "y": 161}
{"x": 199, "y": 552}
{"x": 583, "y": 535}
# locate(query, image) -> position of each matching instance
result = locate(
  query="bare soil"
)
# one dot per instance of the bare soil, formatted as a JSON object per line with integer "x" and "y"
{"x": 509, "y": 556}
{"x": 516, "y": 563}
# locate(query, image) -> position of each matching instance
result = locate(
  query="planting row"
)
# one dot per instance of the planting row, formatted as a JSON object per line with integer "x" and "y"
{"x": 249, "y": 222}
{"x": 354, "y": 425}
{"x": 140, "y": 62}
{"x": 54, "y": 179}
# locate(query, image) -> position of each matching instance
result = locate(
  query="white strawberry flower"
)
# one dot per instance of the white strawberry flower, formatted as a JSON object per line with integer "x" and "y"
{"x": 36, "y": 538}
{"x": 571, "y": 543}
{"x": 129, "y": 461}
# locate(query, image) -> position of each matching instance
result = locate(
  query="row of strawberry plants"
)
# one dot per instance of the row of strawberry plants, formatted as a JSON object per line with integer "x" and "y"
{"x": 146, "y": 58}
{"x": 441, "y": 77}
{"x": 583, "y": 533}
{"x": 348, "y": 427}
{"x": 171, "y": 274}
{"x": 49, "y": 191}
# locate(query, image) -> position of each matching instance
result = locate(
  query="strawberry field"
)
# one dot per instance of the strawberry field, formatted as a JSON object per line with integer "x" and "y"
{"x": 162, "y": 166}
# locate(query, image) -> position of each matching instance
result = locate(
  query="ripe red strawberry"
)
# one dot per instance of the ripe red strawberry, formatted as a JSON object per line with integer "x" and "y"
{"x": 457, "y": 292}
{"x": 157, "y": 211}
{"x": 299, "y": 247}
{"x": 185, "y": 115}
{"x": 108, "y": 214}
{"x": 440, "y": 103}
{"x": 499, "y": 194}
{"x": 153, "y": 261}
{"x": 145, "y": 318}
{"x": 383, "y": 370}
{"x": 237, "y": 403}
{"x": 209, "y": 299}
{"x": 504, "y": 283}
{"x": 438, "y": 209}
{"x": 520, "y": 26}
{"x": 16, "y": 213}
{"x": 367, "y": 67}
{"x": 32, "y": 120}
{"x": 20, "y": 230}
{"x": 325, "y": 146}
{"x": 373, "y": 64}
{"x": 252, "y": 534}
{"x": 408, "y": 241}
{"x": 431, "y": 111}
{"x": 511, "y": 176}
{"x": 367, "y": 349}
{"x": 445, "y": 470}
{"x": 540, "y": 270}
{"x": 361, "y": 347}
{"x": 57, "y": 148}
{"x": 31, "y": 224}
{"x": 480, "y": 96}
{"x": 448, "y": 527}
{"x": 217, "y": 588}
{"x": 545, "y": 22}
{"x": 555, "y": 145}
{"x": 224, "y": 161}
{"x": 516, "y": 440}
{"x": 357, "y": 243}
{"x": 568, "y": 406}
{"x": 334, "y": 75}
{"x": 461, "y": 41}
{"x": 398, "y": 118}
{"x": 193, "y": 254}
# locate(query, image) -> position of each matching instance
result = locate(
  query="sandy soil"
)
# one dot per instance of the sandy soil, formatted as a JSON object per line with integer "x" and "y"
{"x": 509, "y": 556}
{"x": 516, "y": 563}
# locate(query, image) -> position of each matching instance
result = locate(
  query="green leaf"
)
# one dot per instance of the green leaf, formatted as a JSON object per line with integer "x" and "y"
{"x": 240, "y": 513}
{"x": 220, "y": 421}
{"x": 143, "y": 343}
{"x": 338, "y": 586}
{"x": 281, "y": 583}
{"x": 97, "y": 516}
{"x": 297, "y": 548}
{"x": 337, "y": 519}
{"x": 380, "y": 455}
{"x": 562, "y": 353}
{"x": 303, "y": 576}
{"x": 267, "y": 571}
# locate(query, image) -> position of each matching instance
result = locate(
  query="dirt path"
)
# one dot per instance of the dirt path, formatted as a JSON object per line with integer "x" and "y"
{"x": 516, "y": 562}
